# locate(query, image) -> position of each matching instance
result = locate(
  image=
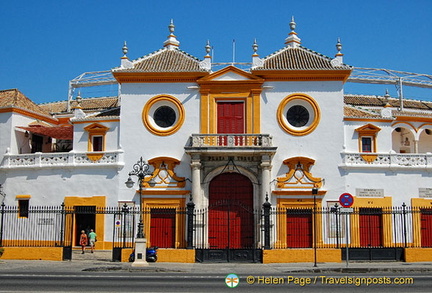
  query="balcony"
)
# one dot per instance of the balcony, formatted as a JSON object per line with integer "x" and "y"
{"x": 230, "y": 143}
{"x": 60, "y": 160}
{"x": 389, "y": 161}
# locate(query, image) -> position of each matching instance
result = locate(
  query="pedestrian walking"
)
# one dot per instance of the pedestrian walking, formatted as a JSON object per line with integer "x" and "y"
{"x": 83, "y": 240}
{"x": 92, "y": 238}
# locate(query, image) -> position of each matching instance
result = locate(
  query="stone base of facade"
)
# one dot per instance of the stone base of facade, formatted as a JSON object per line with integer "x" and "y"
{"x": 33, "y": 253}
{"x": 301, "y": 255}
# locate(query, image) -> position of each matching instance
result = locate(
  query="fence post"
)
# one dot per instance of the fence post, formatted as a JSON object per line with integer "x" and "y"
{"x": 124, "y": 210}
{"x": 190, "y": 220}
{"x": 62, "y": 224}
{"x": 1, "y": 225}
{"x": 266, "y": 208}
{"x": 404, "y": 223}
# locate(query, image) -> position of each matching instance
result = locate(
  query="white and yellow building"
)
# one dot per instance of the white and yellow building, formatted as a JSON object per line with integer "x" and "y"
{"x": 227, "y": 137}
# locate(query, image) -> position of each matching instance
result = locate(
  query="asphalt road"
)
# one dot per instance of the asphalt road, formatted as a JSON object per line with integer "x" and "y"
{"x": 152, "y": 281}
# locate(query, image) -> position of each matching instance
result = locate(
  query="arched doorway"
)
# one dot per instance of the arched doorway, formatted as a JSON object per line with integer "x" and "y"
{"x": 231, "y": 225}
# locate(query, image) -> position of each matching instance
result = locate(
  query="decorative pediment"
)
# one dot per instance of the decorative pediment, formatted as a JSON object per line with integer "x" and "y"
{"x": 164, "y": 175}
{"x": 96, "y": 128}
{"x": 368, "y": 129}
{"x": 299, "y": 175}
{"x": 231, "y": 74}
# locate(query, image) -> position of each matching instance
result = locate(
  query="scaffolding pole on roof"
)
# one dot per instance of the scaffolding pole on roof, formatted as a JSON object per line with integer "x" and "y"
{"x": 89, "y": 79}
{"x": 358, "y": 75}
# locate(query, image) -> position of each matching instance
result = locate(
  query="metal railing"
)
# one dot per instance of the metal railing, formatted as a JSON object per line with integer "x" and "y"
{"x": 265, "y": 228}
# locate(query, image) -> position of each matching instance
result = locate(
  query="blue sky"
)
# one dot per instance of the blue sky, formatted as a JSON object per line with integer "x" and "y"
{"x": 44, "y": 44}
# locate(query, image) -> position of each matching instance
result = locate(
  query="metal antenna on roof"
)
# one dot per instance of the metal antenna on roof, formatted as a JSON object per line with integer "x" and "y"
{"x": 233, "y": 48}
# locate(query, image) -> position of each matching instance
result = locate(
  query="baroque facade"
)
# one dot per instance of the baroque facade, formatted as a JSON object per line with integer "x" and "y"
{"x": 228, "y": 140}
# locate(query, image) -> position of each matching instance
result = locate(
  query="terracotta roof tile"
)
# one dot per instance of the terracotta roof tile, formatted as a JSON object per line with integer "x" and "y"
{"x": 166, "y": 60}
{"x": 14, "y": 98}
{"x": 87, "y": 104}
{"x": 363, "y": 100}
{"x": 359, "y": 113}
{"x": 299, "y": 58}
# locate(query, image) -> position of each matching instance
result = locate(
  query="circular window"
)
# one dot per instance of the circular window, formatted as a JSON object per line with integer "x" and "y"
{"x": 163, "y": 115}
{"x": 298, "y": 114}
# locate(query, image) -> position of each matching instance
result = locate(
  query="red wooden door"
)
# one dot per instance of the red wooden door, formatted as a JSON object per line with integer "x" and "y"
{"x": 230, "y": 120}
{"x": 162, "y": 228}
{"x": 230, "y": 117}
{"x": 299, "y": 228}
{"x": 231, "y": 217}
{"x": 426, "y": 227}
{"x": 370, "y": 221}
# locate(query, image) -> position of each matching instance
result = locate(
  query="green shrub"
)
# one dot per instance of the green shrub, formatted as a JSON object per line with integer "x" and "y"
{"x": 1, "y": 251}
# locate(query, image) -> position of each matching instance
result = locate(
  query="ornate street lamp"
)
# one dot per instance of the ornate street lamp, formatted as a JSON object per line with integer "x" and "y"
{"x": 141, "y": 170}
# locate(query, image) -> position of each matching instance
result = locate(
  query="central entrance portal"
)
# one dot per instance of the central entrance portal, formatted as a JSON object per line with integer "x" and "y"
{"x": 231, "y": 220}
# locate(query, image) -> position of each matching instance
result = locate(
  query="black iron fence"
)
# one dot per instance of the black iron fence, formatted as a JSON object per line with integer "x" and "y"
{"x": 223, "y": 227}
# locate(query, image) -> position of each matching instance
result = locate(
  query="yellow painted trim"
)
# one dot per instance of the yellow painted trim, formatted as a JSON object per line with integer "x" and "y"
{"x": 23, "y": 196}
{"x": 101, "y": 121}
{"x": 289, "y": 203}
{"x": 283, "y": 123}
{"x": 166, "y": 203}
{"x": 303, "y": 75}
{"x": 169, "y": 77}
{"x": 304, "y": 165}
{"x": 33, "y": 253}
{"x": 414, "y": 118}
{"x": 165, "y": 192}
{"x": 98, "y": 201}
{"x": 176, "y": 255}
{"x": 96, "y": 129}
{"x": 366, "y": 119}
{"x": 417, "y": 204}
{"x": 164, "y": 174}
{"x": 418, "y": 254}
{"x": 406, "y": 124}
{"x": 30, "y": 114}
{"x": 368, "y": 130}
{"x": 147, "y": 119}
{"x": 301, "y": 255}
{"x": 247, "y": 91}
{"x": 95, "y": 157}
{"x": 369, "y": 158}
{"x": 372, "y": 202}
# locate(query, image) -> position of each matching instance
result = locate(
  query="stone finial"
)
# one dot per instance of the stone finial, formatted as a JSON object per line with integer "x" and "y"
{"x": 172, "y": 41}
{"x": 206, "y": 63}
{"x": 125, "y": 62}
{"x": 125, "y": 50}
{"x": 292, "y": 41}
{"x": 338, "y": 60}
{"x": 256, "y": 60}
{"x": 338, "y": 47}
{"x": 208, "y": 49}
{"x": 255, "y": 47}
{"x": 386, "y": 98}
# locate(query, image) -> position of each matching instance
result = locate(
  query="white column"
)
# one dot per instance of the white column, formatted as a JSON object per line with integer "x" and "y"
{"x": 416, "y": 142}
{"x": 265, "y": 177}
{"x": 196, "y": 181}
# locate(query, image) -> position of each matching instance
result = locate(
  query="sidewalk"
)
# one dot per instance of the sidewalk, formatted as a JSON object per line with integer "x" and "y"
{"x": 103, "y": 265}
